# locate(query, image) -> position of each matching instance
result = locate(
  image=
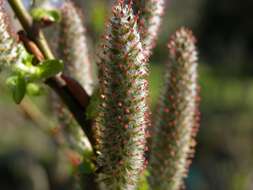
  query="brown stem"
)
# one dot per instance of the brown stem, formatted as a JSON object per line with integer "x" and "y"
{"x": 59, "y": 84}
{"x": 75, "y": 97}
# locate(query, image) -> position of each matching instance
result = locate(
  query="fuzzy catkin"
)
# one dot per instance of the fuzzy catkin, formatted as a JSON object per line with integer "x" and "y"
{"x": 73, "y": 47}
{"x": 72, "y": 132}
{"x": 150, "y": 13}
{"x": 74, "y": 52}
{"x": 176, "y": 124}
{"x": 11, "y": 52}
{"x": 123, "y": 102}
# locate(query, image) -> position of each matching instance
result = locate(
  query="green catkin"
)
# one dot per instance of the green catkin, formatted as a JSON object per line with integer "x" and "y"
{"x": 176, "y": 125}
{"x": 123, "y": 102}
{"x": 150, "y": 13}
{"x": 73, "y": 47}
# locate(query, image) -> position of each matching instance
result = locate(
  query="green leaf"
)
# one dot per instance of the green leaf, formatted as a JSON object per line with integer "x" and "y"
{"x": 17, "y": 84}
{"x": 28, "y": 59}
{"x": 33, "y": 89}
{"x": 87, "y": 167}
{"x": 26, "y": 68}
{"x": 143, "y": 182}
{"x": 49, "y": 68}
{"x": 52, "y": 15}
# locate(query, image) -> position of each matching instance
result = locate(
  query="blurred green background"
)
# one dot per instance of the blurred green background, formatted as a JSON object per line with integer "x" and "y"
{"x": 224, "y": 155}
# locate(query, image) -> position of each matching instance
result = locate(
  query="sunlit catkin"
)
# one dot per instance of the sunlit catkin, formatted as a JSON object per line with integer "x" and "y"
{"x": 177, "y": 121}
{"x": 73, "y": 47}
{"x": 123, "y": 95}
{"x": 150, "y": 17}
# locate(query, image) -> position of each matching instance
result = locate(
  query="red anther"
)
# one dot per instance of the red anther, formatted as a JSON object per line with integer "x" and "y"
{"x": 166, "y": 110}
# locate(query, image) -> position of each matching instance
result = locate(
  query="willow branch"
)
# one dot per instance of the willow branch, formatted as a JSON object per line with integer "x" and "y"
{"x": 59, "y": 84}
{"x": 30, "y": 27}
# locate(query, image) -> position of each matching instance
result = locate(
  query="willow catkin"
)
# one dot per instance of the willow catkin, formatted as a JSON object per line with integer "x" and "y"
{"x": 11, "y": 52}
{"x": 73, "y": 47}
{"x": 74, "y": 52}
{"x": 176, "y": 124}
{"x": 123, "y": 95}
{"x": 150, "y": 17}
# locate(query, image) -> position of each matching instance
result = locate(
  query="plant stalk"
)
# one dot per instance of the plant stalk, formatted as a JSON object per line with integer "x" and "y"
{"x": 57, "y": 83}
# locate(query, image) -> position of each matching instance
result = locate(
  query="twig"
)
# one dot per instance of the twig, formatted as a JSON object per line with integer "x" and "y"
{"x": 35, "y": 115}
{"x": 32, "y": 30}
{"x": 60, "y": 85}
